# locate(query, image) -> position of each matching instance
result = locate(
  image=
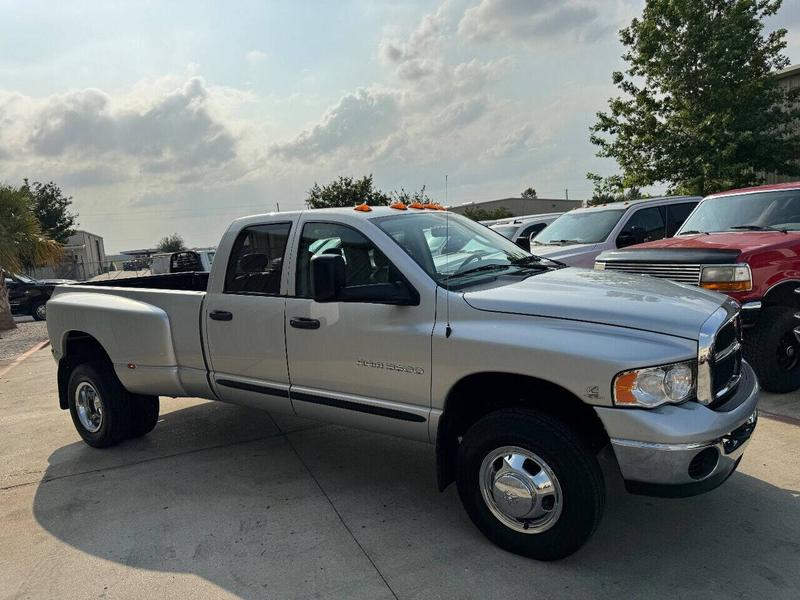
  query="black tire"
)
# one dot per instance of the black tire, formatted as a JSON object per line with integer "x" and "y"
{"x": 39, "y": 311}
{"x": 115, "y": 421}
{"x": 573, "y": 463}
{"x": 144, "y": 415}
{"x": 766, "y": 346}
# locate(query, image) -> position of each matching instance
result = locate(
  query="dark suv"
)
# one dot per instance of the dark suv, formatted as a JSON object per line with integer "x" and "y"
{"x": 29, "y": 296}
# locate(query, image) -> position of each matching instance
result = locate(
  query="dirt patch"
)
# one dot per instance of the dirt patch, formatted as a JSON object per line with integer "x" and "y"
{"x": 17, "y": 341}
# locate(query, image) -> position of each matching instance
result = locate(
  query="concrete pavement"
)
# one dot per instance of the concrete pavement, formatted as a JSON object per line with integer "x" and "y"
{"x": 220, "y": 501}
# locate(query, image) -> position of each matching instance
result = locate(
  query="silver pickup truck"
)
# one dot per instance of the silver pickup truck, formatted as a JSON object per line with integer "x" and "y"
{"x": 423, "y": 324}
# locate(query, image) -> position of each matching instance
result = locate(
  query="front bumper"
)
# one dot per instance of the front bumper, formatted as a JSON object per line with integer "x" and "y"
{"x": 682, "y": 450}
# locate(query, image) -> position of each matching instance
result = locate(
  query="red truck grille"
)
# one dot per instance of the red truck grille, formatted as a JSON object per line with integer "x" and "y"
{"x": 676, "y": 272}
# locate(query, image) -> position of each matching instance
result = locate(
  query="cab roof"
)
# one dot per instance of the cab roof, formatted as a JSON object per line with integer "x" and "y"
{"x": 775, "y": 187}
{"x": 628, "y": 203}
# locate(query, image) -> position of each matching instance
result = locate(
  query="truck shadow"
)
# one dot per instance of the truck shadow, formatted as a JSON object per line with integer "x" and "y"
{"x": 250, "y": 517}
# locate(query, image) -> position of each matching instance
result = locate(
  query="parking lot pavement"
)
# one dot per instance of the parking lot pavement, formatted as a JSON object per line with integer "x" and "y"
{"x": 220, "y": 501}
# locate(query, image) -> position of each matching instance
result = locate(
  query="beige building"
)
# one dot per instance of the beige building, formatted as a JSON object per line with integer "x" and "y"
{"x": 789, "y": 78}
{"x": 522, "y": 206}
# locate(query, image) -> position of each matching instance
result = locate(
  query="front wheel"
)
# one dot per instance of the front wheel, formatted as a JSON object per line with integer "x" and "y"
{"x": 772, "y": 347}
{"x": 530, "y": 484}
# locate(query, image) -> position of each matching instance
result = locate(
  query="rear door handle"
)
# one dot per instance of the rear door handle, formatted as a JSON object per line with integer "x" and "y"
{"x": 220, "y": 315}
{"x": 304, "y": 323}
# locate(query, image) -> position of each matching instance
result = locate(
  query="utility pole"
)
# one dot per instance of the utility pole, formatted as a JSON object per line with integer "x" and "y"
{"x": 278, "y": 204}
{"x": 566, "y": 193}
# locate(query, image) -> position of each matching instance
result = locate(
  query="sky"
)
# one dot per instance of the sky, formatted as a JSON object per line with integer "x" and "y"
{"x": 173, "y": 116}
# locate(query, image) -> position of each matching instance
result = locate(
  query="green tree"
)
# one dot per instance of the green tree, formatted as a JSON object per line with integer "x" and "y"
{"x": 346, "y": 192}
{"x": 405, "y": 197}
{"x": 612, "y": 189}
{"x": 477, "y": 213}
{"x": 51, "y": 208}
{"x": 529, "y": 194}
{"x": 171, "y": 243}
{"x": 701, "y": 108}
{"x": 21, "y": 243}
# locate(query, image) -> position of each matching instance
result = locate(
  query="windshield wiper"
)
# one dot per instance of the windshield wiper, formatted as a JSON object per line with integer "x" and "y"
{"x": 693, "y": 231}
{"x": 492, "y": 267}
{"x": 563, "y": 242}
{"x": 536, "y": 261}
{"x": 758, "y": 228}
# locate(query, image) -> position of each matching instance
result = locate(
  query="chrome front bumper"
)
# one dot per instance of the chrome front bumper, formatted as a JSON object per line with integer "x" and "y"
{"x": 677, "y": 460}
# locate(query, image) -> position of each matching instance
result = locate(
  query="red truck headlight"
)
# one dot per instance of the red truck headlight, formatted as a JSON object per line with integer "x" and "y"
{"x": 727, "y": 278}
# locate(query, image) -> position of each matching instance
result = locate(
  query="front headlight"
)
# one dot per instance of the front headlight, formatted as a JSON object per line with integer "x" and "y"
{"x": 727, "y": 278}
{"x": 653, "y": 386}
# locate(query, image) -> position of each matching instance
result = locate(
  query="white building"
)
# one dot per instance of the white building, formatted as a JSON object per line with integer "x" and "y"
{"x": 86, "y": 252}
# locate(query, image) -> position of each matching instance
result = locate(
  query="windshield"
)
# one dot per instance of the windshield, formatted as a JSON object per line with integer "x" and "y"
{"x": 505, "y": 230}
{"x": 589, "y": 227}
{"x": 455, "y": 250}
{"x": 761, "y": 210}
{"x": 24, "y": 279}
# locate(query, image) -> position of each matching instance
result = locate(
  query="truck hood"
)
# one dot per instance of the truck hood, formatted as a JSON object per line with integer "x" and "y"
{"x": 743, "y": 241}
{"x": 617, "y": 299}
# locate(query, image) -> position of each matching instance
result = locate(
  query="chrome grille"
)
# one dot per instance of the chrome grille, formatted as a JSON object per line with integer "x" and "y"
{"x": 676, "y": 272}
{"x": 719, "y": 357}
{"x": 727, "y": 361}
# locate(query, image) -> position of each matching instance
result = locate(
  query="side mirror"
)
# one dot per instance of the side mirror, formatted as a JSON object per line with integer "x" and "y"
{"x": 524, "y": 243}
{"x": 327, "y": 277}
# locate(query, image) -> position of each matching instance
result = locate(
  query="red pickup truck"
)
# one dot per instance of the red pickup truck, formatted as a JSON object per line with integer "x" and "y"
{"x": 744, "y": 243}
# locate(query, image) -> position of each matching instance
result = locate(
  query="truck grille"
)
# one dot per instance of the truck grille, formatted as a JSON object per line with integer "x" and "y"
{"x": 719, "y": 355}
{"x": 676, "y": 272}
{"x": 726, "y": 368}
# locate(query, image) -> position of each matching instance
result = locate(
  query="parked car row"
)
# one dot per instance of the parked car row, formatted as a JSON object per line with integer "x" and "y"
{"x": 743, "y": 243}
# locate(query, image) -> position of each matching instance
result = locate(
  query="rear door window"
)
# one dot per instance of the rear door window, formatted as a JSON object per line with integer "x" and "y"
{"x": 650, "y": 221}
{"x": 256, "y": 261}
{"x": 676, "y": 215}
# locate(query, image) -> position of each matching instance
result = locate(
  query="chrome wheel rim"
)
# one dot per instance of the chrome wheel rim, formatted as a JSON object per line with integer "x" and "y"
{"x": 41, "y": 311}
{"x": 89, "y": 407}
{"x": 520, "y": 489}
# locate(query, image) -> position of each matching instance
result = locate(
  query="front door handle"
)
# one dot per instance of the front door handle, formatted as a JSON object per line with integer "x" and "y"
{"x": 304, "y": 323}
{"x": 220, "y": 315}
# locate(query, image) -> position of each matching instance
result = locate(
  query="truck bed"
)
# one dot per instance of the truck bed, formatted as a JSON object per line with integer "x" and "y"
{"x": 188, "y": 282}
{"x": 149, "y": 326}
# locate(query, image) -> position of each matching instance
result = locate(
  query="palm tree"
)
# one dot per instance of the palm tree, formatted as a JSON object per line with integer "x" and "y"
{"x": 21, "y": 243}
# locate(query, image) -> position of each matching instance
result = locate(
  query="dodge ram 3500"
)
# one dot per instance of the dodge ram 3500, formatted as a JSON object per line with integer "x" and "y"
{"x": 423, "y": 324}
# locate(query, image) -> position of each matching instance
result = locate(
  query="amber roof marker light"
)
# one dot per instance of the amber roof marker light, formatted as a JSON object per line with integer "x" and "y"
{"x": 363, "y": 207}
{"x": 398, "y": 205}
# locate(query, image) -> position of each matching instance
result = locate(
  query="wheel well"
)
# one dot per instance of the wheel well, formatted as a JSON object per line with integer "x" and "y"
{"x": 477, "y": 395}
{"x": 783, "y": 295}
{"x": 79, "y": 348}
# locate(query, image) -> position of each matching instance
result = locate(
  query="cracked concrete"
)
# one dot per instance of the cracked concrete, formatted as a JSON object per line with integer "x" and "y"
{"x": 223, "y": 502}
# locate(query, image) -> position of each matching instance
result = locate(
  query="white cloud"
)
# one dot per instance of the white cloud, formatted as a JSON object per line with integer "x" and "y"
{"x": 356, "y": 122}
{"x": 530, "y": 20}
{"x": 87, "y": 135}
{"x": 255, "y": 57}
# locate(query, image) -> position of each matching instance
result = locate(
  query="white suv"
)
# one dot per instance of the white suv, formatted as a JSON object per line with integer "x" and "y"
{"x": 579, "y": 236}
{"x": 521, "y": 229}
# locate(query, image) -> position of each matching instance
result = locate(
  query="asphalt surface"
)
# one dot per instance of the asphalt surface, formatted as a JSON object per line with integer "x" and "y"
{"x": 223, "y": 502}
